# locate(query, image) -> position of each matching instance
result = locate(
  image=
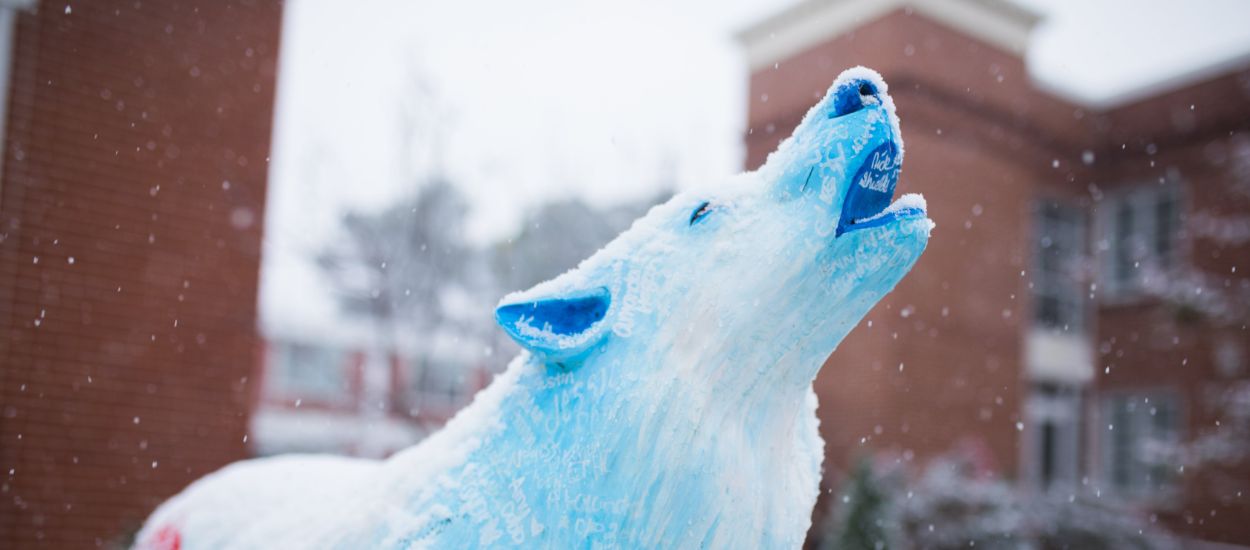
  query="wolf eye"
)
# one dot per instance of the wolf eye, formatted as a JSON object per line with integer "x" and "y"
{"x": 700, "y": 212}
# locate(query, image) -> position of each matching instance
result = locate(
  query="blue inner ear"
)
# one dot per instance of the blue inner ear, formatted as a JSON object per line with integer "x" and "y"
{"x": 561, "y": 316}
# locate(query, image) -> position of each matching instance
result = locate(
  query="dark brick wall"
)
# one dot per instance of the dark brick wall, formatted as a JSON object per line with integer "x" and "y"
{"x": 131, "y": 207}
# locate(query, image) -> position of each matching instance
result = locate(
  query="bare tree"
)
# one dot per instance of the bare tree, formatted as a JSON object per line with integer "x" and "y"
{"x": 392, "y": 264}
{"x": 557, "y": 235}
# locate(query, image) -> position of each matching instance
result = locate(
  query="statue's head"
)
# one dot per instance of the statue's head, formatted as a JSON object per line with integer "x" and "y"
{"x": 759, "y": 277}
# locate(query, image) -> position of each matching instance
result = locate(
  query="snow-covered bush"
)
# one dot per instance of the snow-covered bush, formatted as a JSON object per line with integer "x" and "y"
{"x": 951, "y": 504}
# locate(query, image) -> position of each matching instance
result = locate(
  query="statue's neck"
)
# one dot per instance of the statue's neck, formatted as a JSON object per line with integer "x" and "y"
{"x": 649, "y": 460}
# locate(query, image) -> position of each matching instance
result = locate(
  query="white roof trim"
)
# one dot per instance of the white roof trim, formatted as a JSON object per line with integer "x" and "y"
{"x": 17, "y": 4}
{"x": 1157, "y": 87}
{"x": 810, "y": 22}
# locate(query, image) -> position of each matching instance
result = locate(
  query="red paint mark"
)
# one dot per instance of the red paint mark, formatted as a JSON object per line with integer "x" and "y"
{"x": 166, "y": 538}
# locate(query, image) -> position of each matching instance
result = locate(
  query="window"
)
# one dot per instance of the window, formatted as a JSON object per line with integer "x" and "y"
{"x": 437, "y": 386}
{"x": 1141, "y": 440}
{"x": 305, "y": 371}
{"x": 1059, "y": 253}
{"x": 1054, "y": 436}
{"x": 1141, "y": 230}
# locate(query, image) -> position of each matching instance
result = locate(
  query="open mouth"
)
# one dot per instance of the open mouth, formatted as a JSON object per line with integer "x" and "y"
{"x": 868, "y": 200}
{"x": 909, "y": 206}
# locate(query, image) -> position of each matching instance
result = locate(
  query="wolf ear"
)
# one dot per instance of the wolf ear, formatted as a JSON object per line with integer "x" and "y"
{"x": 560, "y": 328}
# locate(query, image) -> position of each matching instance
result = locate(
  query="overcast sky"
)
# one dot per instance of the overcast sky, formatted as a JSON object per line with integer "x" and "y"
{"x": 601, "y": 100}
{"x": 541, "y": 98}
{"x": 1102, "y": 52}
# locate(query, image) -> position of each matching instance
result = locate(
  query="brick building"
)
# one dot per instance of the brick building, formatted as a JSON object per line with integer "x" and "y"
{"x": 337, "y": 391}
{"x": 1083, "y": 298}
{"x": 135, "y": 149}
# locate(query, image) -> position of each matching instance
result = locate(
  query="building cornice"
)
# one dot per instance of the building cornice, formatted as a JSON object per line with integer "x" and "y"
{"x": 810, "y": 22}
{"x": 18, "y": 4}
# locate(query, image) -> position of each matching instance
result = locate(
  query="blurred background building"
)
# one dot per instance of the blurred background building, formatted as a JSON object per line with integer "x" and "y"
{"x": 1079, "y": 319}
{"x": 131, "y": 204}
{"x": 1066, "y": 366}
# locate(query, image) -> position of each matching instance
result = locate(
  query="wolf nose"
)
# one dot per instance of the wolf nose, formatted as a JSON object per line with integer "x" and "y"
{"x": 852, "y": 96}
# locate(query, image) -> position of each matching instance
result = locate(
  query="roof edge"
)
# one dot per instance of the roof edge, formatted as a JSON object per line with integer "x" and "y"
{"x": 809, "y": 22}
{"x": 1149, "y": 90}
{"x": 18, "y": 4}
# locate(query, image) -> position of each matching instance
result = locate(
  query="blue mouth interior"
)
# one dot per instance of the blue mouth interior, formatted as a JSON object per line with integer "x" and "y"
{"x": 871, "y": 190}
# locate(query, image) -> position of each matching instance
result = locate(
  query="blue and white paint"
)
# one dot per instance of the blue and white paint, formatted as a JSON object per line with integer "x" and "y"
{"x": 664, "y": 398}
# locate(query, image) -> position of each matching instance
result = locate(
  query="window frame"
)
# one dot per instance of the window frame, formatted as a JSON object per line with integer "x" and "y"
{"x": 1143, "y": 203}
{"x": 435, "y": 387}
{"x": 280, "y": 380}
{"x": 1139, "y": 485}
{"x": 1048, "y": 283}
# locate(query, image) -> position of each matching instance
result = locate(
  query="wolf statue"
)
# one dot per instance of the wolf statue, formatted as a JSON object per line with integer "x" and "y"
{"x": 664, "y": 395}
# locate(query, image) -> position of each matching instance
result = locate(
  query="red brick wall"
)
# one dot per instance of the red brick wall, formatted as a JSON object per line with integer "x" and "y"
{"x": 1145, "y": 344}
{"x": 131, "y": 209}
{"x": 982, "y": 143}
{"x": 972, "y": 149}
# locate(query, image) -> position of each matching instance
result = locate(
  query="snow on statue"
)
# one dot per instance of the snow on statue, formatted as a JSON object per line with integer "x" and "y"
{"x": 664, "y": 398}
